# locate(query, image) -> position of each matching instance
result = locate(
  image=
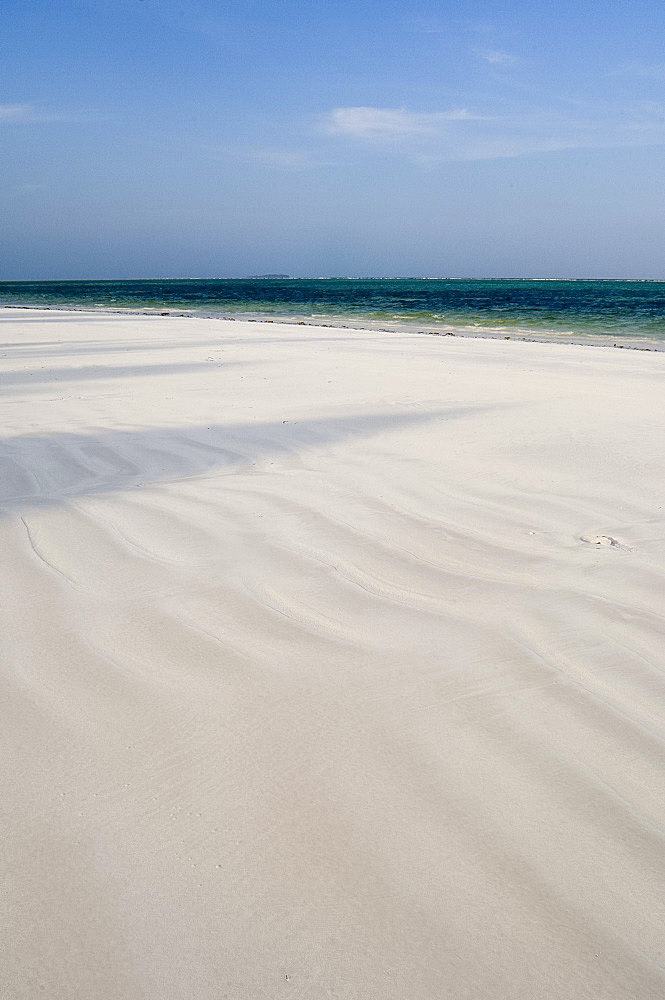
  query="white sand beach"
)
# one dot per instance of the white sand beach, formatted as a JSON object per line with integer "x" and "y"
{"x": 333, "y": 664}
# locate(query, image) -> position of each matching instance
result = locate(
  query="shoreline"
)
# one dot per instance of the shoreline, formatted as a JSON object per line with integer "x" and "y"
{"x": 536, "y": 337}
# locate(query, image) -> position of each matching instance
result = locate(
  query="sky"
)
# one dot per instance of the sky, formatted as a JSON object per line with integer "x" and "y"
{"x": 204, "y": 138}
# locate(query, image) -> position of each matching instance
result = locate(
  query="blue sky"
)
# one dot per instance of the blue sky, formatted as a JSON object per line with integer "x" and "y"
{"x": 143, "y": 138}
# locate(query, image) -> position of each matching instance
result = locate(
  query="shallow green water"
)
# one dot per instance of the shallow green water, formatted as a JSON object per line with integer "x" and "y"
{"x": 629, "y": 309}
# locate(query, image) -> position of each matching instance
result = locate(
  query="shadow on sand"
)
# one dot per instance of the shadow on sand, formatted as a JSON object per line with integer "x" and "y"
{"x": 47, "y": 468}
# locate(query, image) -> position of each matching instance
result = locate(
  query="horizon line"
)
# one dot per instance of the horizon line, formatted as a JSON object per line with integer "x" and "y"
{"x": 329, "y": 277}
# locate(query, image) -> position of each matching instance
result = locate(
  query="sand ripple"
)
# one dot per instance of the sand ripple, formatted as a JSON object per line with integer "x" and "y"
{"x": 332, "y": 664}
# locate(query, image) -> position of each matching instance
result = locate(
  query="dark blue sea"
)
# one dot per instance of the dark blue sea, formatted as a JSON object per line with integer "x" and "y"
{"x": 552, "y": 308}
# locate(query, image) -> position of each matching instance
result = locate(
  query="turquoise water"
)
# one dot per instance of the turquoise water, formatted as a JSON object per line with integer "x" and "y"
{"x": 626, "y": 309}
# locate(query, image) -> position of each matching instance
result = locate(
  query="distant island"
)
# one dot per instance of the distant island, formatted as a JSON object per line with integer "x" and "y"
{"x": 255, "y": 277}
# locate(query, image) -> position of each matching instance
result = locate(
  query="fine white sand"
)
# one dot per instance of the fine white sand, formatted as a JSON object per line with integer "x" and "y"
{"x": 320, "y": 675}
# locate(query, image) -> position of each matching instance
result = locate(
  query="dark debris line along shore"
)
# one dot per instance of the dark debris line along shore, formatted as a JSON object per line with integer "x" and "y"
{"x": 615, "y": 312}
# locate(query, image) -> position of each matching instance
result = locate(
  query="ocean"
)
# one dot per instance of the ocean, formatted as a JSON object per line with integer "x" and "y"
{"x": 545, "y": 309}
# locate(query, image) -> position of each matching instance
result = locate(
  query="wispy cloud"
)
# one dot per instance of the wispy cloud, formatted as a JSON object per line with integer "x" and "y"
{"x": 391, "y": 123}
{"x": 16, "y": 113}
{"x": 282, "y": 158}
{"x": 428, "y": 138}
{"x": 498, "y": 58}
{"x": 643, "y": 70}
{"x": 19, "y": 114}
{"x": 289, "y": 159}
{"x": 425, "y": 25}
